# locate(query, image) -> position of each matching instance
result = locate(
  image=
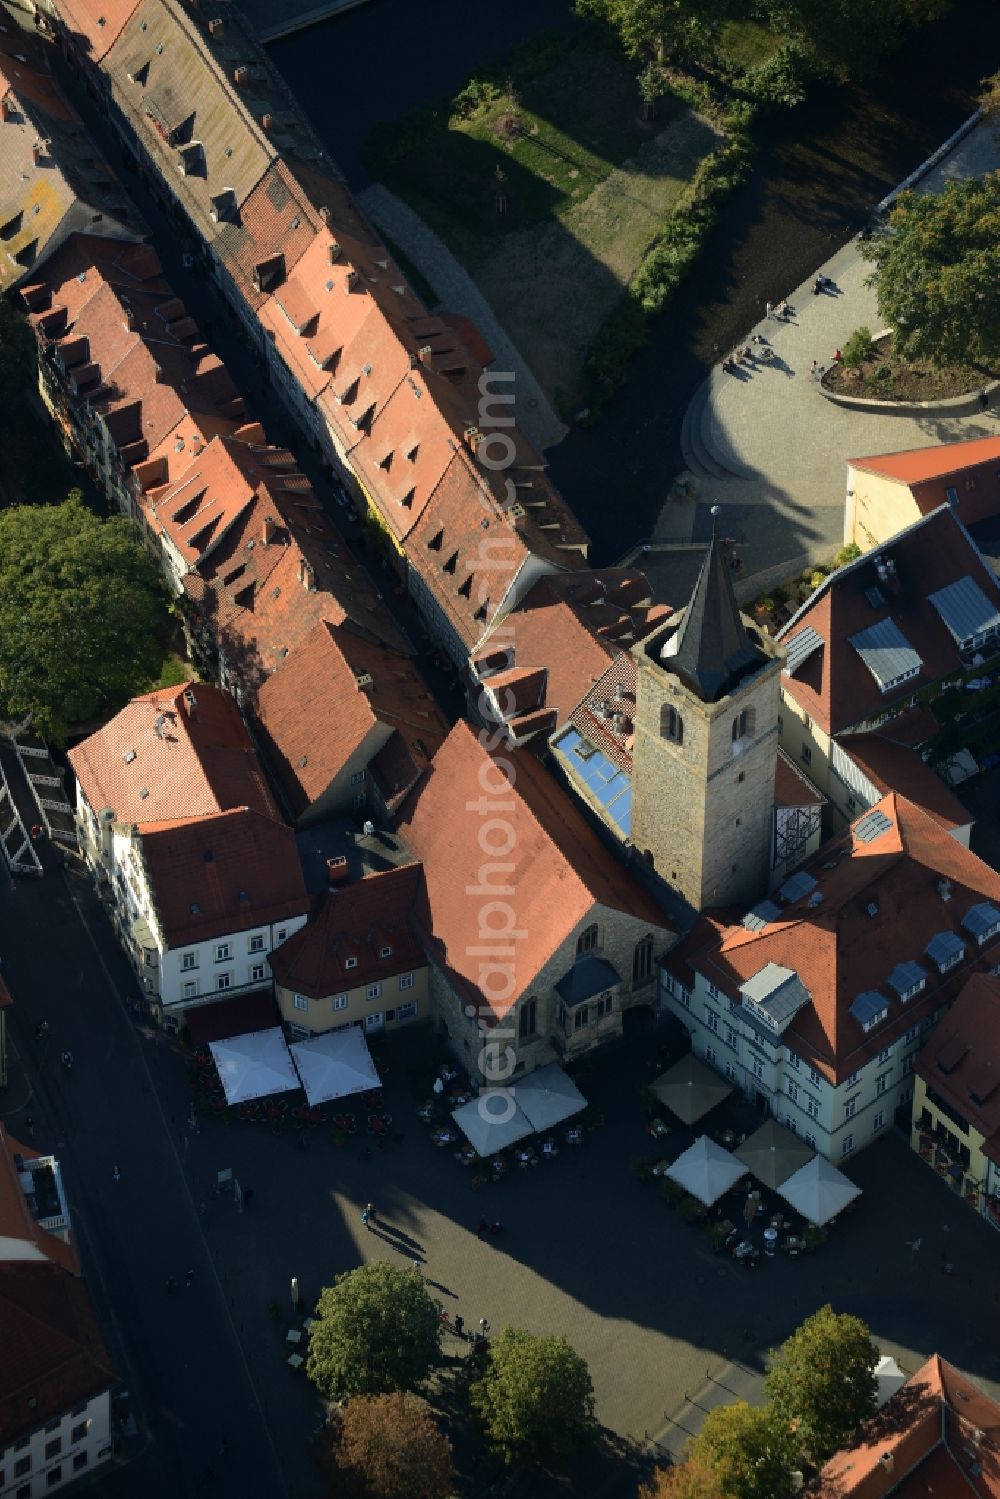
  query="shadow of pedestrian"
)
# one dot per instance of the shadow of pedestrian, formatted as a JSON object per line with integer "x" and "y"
{"x": 445, "y": 1290}
{"x": 396, "y": 1237}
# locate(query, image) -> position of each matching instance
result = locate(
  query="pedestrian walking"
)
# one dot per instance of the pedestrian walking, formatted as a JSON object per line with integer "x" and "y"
{"x": 984, "y": 399}
{"x": 116, "y": 1175}
{"x": 484, "y": 1326}
{"x": 814, "y": 369}
{"x": 460, "y": 1327}
{"x": 170, "y": 1285}
{"x": 67, "y": 1060}
{"x": 366, "y": 1218}
{"x": 29, "y": 1125}
{"x": 189, "y": 1278}
{"x": 370, "y": 1210}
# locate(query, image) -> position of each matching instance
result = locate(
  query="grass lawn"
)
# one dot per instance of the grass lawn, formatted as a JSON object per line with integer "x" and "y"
{"x": 584, "y": 186}
{"x": 173, "y": 671}
{"x": 744, "y": 44}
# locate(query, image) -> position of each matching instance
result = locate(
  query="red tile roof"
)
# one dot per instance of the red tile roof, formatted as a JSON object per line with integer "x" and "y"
{"x": 357, "y": 921}
{"x": 93, "y": 26}
{"x": 197, "y": 509}
{"x": 940, "y": 460}
{"x": 315, "y": 714}
{"x": 556, "y": 866}
{"x": 840, "y": 947}
{"x": 939, "y": 1435}
{"x": 52, "y": 1354}
{"x": 898, "y": 767}
{"x": 277, "y": 219}
{"x": 833, "y": 685}
{"x": 252, "y": 878}
{"x": 961, "y": 1061}
{"x": 195, "y": 765}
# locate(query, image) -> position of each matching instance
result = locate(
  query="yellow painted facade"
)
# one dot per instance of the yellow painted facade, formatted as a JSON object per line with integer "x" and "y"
{"x": 953, "y": 1147}
{"x": 876, "y": 509}
{"x": 805, "y": 743}
{"x": 359, "y": 1005}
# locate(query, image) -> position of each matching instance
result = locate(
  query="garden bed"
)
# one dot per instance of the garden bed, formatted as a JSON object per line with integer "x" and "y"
{"x": 886, "y": 377}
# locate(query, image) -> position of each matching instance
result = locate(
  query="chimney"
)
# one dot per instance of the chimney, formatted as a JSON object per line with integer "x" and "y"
{"x": 307, "y": 576}
{"x": 351, "y": 280}
{"x": 473, "y": 438}
{"x": 159, "y": 375}
{"x": 190, "y": 703}
{"x": 887, "y": 1462}
{"x": 215, "y": 26}
{"x": 267, "y": 122}
{"x": 37, "y": 152}
{"x": 268, "y": 529}
{"x": 336, "y": 870}
{"x": 6, "y": 109}
{"x": 335, "y": 250}
{"x": 426, "y": 356}
{"x": 241, "y": 75}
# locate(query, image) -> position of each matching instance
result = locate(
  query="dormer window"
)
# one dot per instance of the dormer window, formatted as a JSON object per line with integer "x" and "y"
{"x": 870, "y": 1009}
{"x": 385, "y": 952}
{"x": 351, "y": 963}
{"x": 945, "y": 951}
{"x": 982, "y": 922}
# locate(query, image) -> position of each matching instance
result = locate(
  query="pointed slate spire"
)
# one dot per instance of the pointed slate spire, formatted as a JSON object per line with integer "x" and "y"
{"x": 712, "y": 649}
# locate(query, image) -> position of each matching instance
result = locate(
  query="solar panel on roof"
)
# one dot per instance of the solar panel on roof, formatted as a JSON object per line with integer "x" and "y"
{"x": 800, "y": 648}
{"x": 869, "y": 1007}
{"x": 798, "y": 885}
{"x": 761, "y": 915}
{"x": 982, "y": 920}
{"x": 943, "y": 948}
{"x": 871, "y": 826}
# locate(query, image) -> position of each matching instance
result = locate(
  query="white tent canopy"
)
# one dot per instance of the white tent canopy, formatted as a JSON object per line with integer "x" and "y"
{"x": 548, "y": 1096}
{"x": 492, "y": 1121}
{"x": 255, "y": 1065}
{"x": 335, "y": 1065}
{"x": 818, "y": 1190}
{"x": 706, "y": 1170}
{"x": 890, "y": 1378}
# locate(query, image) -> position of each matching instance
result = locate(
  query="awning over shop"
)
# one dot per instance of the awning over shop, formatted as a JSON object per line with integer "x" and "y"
{"x": 819, "y": 1191}
{"x": 255, "y": 1065}
{"x": 492, "y": 1121}
{"x": 231, "y": 1017}
{"x": 690, "y": 1088}
{"x": 772, "y": 1153}
{"x": 335, "y": 1065}
{"x": 548, "y": 1096}
{"x": 706, "y": 1170}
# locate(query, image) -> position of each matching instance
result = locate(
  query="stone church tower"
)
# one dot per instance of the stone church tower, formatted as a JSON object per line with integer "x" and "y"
{"x": 706, "y": 743}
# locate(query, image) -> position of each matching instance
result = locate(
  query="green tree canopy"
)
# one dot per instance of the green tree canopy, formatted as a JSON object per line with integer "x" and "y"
{"x": 937, "y": 269}
{"x": 749, "y": 1449}
{"x": 657, "y": 28}
{"x": 376, "y": 1330}
{"x": 691, "y": 1479}
{"x": 821, "y": 1381}
{"x": 534, "y": 1398}
{"x": 83, "y": 611}
{"x": 393, "y": 1445}
{"x": 851, "y": 36}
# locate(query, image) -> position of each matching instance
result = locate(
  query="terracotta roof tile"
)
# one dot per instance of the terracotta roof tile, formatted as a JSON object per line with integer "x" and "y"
{"x": 196, "y": 511}
{"x": 961, "y": 1061}
{"x": 833, "y": 685}
{"x": 194, "y": 765}
{"x": 253, "y": 876}
{"x": 358, "y": 920}
{"x": 938, "y": 1435}
{"x": 277, "y": 218}
{"x": 556, "y": 865}
{"x": 98, "y": 22}
{"x": 897, "y": 767}
{"x": 316, "y": 716}
{"x": 880, "y": 903}
{"x": 916, "y": 465}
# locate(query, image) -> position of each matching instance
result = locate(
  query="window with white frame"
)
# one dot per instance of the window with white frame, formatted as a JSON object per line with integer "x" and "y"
{"x": 374, "y": 991}
{"x": 357, "y": 779}
{"x": 385, "y": 952}
{"x": 792, "y": 1089}
{"x": 810, "y": 1140}
{"x": 709, "y": 1052}
{"x": 909, "y": 1063}
{"x": 812, "y": 1106}
{"x": 712, "y": 1020}
{"x": 850, "y": 1108}
{"x": 794, "y": 1061}
{"x": 224, "y": 981}
{"x": 882, "y": 1082}
{"x": 885, "y": 1054}
{"x": 340, "y": 1001}
{"x": 350, "y": 962}
{"x": 189, "y": 990}
{"x": 730, "y": 1071}
{"x": 684, "y": 996}
{"x": 605, "y": 1005}
{"x": 912, "y": 1033}
{"x": 406, "y": 1012}
{"x": 256, "y": 972}
{"x": 847, "y": 1145}
{"x": 256, "y": 943}
{"x": 281, "y": 934}
{"x": 814, "y": 1077}
{"x": 189, "y": 960}
{"x": 878, "y": 1120}
{"x": 713, "y": 991}
{"x": 758, "y": 1068}
{"x": 730, "y": 1037}
{"x": 300, "y": 1002}
{"x": 223, "y": 952}
{"x": 406, "y": 980}
{"x": 853, "y": 1080}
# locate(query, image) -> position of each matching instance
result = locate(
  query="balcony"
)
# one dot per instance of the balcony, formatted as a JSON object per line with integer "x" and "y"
{"x": 41, "y": 1183}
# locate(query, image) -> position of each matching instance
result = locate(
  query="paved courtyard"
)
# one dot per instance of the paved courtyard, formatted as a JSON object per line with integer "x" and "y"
{"x": 587, "y": 1251}
{"x": 769, "y": 447}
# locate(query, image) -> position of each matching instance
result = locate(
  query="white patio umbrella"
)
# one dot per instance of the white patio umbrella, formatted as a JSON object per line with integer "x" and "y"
{"x": 335, "y": 1065}
{"x": 492, "y": 1121}
{"x": 706, "y": 1170}
{"x": 890, "y": 1378}
{"x": 254, "y": 1066}
{"x": 818, "y": 1190}
{"x": 548, "y": 1096}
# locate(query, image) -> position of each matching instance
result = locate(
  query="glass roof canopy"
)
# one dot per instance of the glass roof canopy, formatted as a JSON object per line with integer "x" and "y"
{"x": 607, "y": 784}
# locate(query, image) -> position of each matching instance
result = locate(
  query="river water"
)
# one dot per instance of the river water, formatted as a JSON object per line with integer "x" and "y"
{"x": 821, "y": 169}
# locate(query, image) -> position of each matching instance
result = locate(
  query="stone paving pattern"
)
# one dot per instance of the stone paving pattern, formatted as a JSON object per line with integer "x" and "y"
{"x": 771, "y": 449}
